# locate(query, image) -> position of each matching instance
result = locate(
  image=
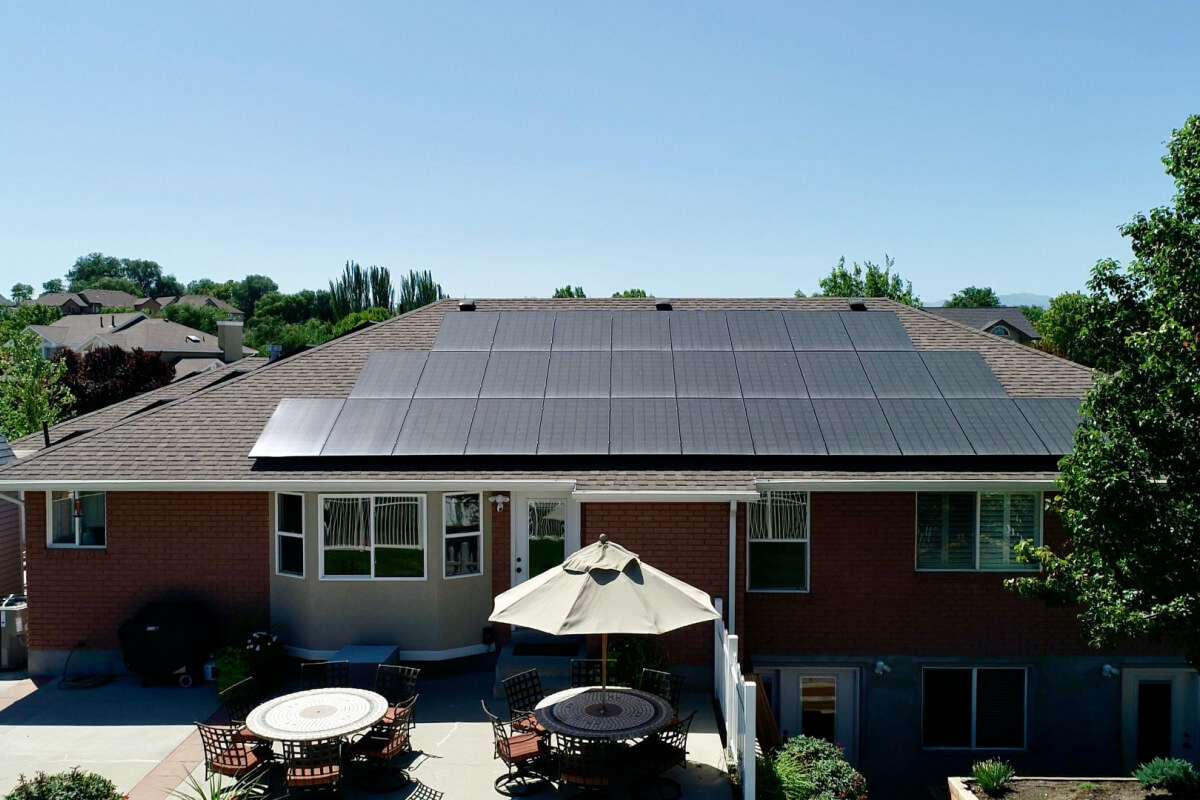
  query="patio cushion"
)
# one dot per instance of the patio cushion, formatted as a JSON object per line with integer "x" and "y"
{"x": 522, "y": 747}
{"x": 380, "y": 749}
{"x": 236, "y": 760}
{"x": 654, "y": 755}
{"x": 578, "y": 779}
{"x": 390, "y": 715}
{"x": 529, "y": 723}
{"x": 312, "y": 776}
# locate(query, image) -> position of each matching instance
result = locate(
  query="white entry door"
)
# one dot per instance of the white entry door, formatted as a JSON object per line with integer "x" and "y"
{"x": 545, "y": 529}
{"x": 821, "y": 702}
{"x": 1159, "y": 714}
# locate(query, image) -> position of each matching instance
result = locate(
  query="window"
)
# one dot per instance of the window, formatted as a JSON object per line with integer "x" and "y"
{"x": 778, "y": 542}
{"x": 976, "y": 530}
{"x": 462, "y": 535}
{"x": 77, "y": 520}
{"x": 289, "y": 535}
{"x": 978, "y": 708}
{"x": 547, "y": 520}
{"x": 1000, "y": 330}
{"x": 373, "y": 537}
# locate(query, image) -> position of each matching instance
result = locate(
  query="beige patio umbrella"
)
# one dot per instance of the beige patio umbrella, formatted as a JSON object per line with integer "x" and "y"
{"x": 603, "y": 588}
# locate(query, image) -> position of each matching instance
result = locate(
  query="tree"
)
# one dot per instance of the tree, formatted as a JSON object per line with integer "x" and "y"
{"x": 53, "y": 286}
{"x": 290, "y": 308}
{"x": 31, "y": 387}
{"x": 1033, "y": 313}
{"x": 14, "y": 320}
{"x": 21, "y": 292}
{"x": 247, "y": 292}
{"x": 974, "y": 297}
{"x": 202, "y": 318}
{"x": 631, "y": 293}
{"x": 569, "y": 291}
{"x": 92, "y": 267}
{"x": 1062, "y": 329}
{"x": 359, "y": 289}
{"x": 206, "y": 286}
{"x": 108, "y": 375}
{"x": 118, "y": 284}
{"x": 264, "y": 331}
{"x": 1128, "y": 494}
{"x": 349, "y": 323}
{"x": 868, "y": 280}
{"x": 418, "y": 289}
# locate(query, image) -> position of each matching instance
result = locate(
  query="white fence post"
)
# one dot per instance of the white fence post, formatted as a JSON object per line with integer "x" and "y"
{"x": 748, "y": 756}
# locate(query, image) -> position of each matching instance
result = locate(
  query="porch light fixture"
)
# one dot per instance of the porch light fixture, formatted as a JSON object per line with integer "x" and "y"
{"x": 1109, "y": 671}
{"x": 499, "y": 500}
{"x": 881, "y": 667}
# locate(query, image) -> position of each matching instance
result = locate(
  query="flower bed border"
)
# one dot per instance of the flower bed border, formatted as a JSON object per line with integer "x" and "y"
{"x": 959, "y": 791}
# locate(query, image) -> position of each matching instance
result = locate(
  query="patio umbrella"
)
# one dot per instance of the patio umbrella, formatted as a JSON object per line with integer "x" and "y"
{"x": 603, "y": 588}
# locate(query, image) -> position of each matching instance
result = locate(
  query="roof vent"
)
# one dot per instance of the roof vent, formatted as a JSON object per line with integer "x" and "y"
{"x": 858, "y": 304}
{"x": 274, "y": 352}
{"x": 466, "y": 305}
{"x": 662, "y": 305}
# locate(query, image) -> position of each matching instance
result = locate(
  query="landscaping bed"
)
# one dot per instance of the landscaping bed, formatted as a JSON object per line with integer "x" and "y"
{"x": 1064, "y": 789}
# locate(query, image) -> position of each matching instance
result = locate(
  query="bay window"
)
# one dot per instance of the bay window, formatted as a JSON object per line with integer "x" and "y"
{"x": 289, "y": 535}
{"x": 462, "y": 535}
{"x": 377, "y": 536}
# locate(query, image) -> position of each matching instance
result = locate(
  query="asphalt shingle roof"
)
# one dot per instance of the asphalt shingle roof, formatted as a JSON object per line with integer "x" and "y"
{"x": 985, "y": 318}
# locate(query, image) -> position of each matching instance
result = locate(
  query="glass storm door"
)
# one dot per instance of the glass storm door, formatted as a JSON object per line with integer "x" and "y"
{"x": 542, "y": 535}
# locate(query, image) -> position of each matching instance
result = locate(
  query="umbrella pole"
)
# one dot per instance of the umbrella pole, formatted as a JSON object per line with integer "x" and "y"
{"x": 604, "y": 672}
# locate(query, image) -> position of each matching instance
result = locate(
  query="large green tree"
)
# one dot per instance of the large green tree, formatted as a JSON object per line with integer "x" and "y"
{"x": 569, "y": 291}
{"x": 248, "y": 291}
{"x": 1062, "y": 329}
{"x": 31, "y": 387}
{"x": 974, "y": 297}
{"x": 14, "y": 320}
{"x": 21, "y": 292}
{"x": 92, "y": 267}
{"x": 418, "y": 289}
{"x": 1129, "y": 493}
{"x": 53, "y": 286}
{"x": 201, "y": 318}
{"x": 631, "y": 293}
{"x": 868, "y": 280}
{"x": 359, "y": 288}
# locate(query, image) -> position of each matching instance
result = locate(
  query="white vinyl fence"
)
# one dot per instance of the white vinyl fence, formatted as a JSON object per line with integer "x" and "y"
{"x": 737, "y": 698}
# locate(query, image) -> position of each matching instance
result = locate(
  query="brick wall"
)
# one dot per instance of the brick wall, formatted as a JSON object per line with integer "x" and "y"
{"x": 214, "y": 546}
{"x": 10, "y": 548}
{"x": 501, "y": 527}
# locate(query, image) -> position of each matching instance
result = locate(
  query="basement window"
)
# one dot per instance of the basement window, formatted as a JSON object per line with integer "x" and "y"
{"x": 77, "y": 519}
{"x": 973, "y": 709}
{"x": 777, "y": 543}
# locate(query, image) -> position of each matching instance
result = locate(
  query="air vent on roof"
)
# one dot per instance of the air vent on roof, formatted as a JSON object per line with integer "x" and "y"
{"x": 858, "y": 305}
{"x": 662, "y": 305}
{"x": 466, "y": 305}
{"x": 193, "y": 339}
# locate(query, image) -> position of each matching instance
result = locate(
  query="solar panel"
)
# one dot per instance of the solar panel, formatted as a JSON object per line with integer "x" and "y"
{"x": 574, "y": 426}
{"x": 515, "y": 374}
{"x": 714, "y": 426}
{"x": 784, "y": 427}
{"x": 834, "y": 375}
{"x": 876, "y": 330}
{"x": 898, "y": 374}
{"x": 995, "y": 427}
{"x": 758, "y": 330}
{"x": 389, "y": 373}
{"x": 366, "y": 427}
{"x": 699, "y": 330}
{"x": 816, "y": 330}
{"x": 435, "y": 427}
{"x": 583, "y": 330}
{"x": 579, "y": 373}
{"x": 641, "y": 330}
{"x": 703, "y": 373}
{"x": 642, "y": 373}
{"x": 855, "y": 427}
{"x": 524, "y": 330}
{"x": 962, "y": 373}
{"x": 925, "y": 427}
{"x": 503, "y": 427}
{"x": 466, "y": 330}
{"x": 298, "y": 427}
{"x": 1053, "y": 419}
{"x": 642, "y": 425}
{"x": 452, "y": 375}
{"x": 765, "y": 374}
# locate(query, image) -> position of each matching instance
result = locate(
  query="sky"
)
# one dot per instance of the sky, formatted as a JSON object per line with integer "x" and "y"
{"x": 688, "y": 148}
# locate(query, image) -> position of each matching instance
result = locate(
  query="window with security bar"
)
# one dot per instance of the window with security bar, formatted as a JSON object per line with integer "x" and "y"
{"x": 777, "y": 542}
{"x": 379, "y": 536}
{"x": 976, "y": 530}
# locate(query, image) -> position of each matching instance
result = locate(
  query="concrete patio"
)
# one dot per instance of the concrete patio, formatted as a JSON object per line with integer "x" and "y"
{"x": 144, "y": 739}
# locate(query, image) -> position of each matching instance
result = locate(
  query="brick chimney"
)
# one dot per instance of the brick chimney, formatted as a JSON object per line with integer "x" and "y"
{"x": 229, "y": 337}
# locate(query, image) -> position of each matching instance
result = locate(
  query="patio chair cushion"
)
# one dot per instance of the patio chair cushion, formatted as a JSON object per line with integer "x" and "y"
{"x": 236, "y": 760}
{"x": 656, "y": 756}
{"x": 390, "y": 715}
{"x": 577, "y": 779}
{"x": 312, "y": 776}
{"x": 529, "y": 723}
{"x": 523, "y": 747}
{"x": 380, "y": 749}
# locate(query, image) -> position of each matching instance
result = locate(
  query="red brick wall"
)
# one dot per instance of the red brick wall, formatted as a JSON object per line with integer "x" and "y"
{"x": 687, "y": 540}
{"x": 10, "y": 548}
{"x": 866, "y": 596}
{"x": 211, "y": 545}
{"x": 501, "y": 527}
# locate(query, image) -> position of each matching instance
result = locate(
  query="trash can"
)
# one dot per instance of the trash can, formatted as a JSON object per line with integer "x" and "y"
{"x": 12, "y": 632}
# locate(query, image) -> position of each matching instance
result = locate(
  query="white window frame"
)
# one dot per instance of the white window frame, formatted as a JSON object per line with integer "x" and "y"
{"x": 53, "y": 545}
{"x": 1039, "y": 501}
{"x": 807, "y": 541}
{"x": 974, "y": 686}
{"x": 292, "y": 535}
{"x": 446, "y": 537}
{"x": 424, "y": 521}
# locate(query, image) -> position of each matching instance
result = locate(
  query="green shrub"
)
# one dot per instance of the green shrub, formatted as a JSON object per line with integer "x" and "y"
{"x": 1173, "y": 774}
{"x": 807, "y": 768}
{"x": 233, "y": 665}
{"x": 218, "y": 787}
{"x": 72, "y": 785}
{"x": 993, "y": 776}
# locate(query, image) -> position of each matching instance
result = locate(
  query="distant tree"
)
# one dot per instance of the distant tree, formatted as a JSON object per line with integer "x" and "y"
{"x": 21, "y": 292}
{"x": 202, "y": 318}
{"x": 14, "y": 320}
{"x": 359, "y": 289}
{"x": 261, "y": 332}
{"x": 118, "y": 284}
{"x": 53, "y": 286}
{"x": 148, "y": 275}
{"x": 31, "y": 387}
{"x": 868, "y": 280}
{"x": 223, "y": 291}
{"x": 974, "y": 297}
{"x": 1033, "y": 313}
{"x": 1128, "y": 493}
{"x": 352, "y": 321}
{"x": 108, "y": 375}
{"x": 91, "y": 268}
{"x": 289, "y": 308}
{"x": 247, "y": 292}
{"x": 1062, "y": 329}
{"x": 418, "y": 289}
{"x": 631, "y": 293}
{"x": 569, "y": 291}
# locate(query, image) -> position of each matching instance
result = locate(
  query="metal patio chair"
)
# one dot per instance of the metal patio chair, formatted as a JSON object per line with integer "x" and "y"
{"x": 523, "y": 692}
{"x": 589, "y": 671}
{"x": 226, "y": 753}
{"x": 529, "y": 764}
{"x": 588, "y": 764}
{"x": 325, "y": 674}
{"x": 396, "y": 683}
{"x": 664, "y": 684}
{"x": 313, "y": 766}
{"x": 657, "y": 754}
{"x": 387, "y": 739}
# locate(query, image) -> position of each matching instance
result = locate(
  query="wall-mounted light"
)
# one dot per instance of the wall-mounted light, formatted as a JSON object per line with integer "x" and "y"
{"x": 499, "y": 500}
{"x": 1109, "y": 671}
{"x": 881, "y": 667}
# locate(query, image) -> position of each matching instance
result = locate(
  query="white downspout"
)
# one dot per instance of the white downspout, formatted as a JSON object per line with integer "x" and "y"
{"x": 732, "y": 565}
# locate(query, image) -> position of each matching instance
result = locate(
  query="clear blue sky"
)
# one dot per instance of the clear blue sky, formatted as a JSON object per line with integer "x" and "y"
{"x": 688, "y": 148}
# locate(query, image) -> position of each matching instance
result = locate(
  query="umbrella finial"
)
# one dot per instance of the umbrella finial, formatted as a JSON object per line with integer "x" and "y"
{"x": 603, "y": 538}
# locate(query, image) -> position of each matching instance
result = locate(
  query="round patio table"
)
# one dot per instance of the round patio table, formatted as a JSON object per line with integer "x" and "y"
{"x": 316, "y": 714}
{"x": 626, "y": 714}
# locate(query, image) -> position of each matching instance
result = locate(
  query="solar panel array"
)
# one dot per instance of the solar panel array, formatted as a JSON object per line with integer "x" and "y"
{"x": 672, "y": 383}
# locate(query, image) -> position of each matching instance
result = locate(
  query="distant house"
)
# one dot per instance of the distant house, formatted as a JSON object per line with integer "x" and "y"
{"x": 11, "y": 574}
{"x": 153, "y": 305}
{"x": 5, "y": 302}
{"x": 87, "y": 301}
{"x": 1006, "y": 321}
{"x": 131, "y": 330}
